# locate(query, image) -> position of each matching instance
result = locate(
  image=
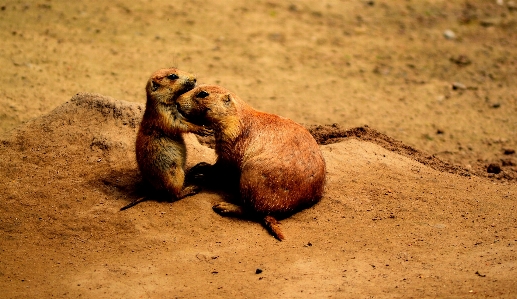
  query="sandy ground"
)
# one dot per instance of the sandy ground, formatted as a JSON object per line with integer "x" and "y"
{"x": 388, "y": 226}
{"x": 420, "y": 203}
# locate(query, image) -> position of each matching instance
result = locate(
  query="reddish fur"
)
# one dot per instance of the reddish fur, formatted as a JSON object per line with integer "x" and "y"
{"x": 280, "y": 164}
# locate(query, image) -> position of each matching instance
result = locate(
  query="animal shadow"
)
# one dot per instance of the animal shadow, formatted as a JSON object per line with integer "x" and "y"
{"x": 128, "y": 186}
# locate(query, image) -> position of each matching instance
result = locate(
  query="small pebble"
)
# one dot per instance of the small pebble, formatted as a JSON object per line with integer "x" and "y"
{"x": 493, "y": 168}
{"x": 489, "y": 22}
{"x": 449, "y": 34}
{"x": 461, "y": 60}
{"x": 258, "y": 271}
{"x": 458, "y": 85}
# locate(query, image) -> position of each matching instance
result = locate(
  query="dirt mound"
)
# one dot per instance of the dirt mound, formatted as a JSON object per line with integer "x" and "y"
{"x": 393, "y": 221}
{"x": 505, "y": 169}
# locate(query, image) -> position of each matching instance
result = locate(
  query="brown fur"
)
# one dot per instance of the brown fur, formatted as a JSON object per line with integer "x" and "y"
{"x": 280, "y": 165}
{"x": 160, "y": 148}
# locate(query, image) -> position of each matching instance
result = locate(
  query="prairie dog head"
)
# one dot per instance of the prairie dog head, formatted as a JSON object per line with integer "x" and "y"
{"x": 210, "y": 105}
{"x": 166, "y": 85}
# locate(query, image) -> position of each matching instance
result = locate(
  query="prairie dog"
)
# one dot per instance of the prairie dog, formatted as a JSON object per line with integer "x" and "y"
{"x": 160, "y": 147}
{"x": 278, "y": 164}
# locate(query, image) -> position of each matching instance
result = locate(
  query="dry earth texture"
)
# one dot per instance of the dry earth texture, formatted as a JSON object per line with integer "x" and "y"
{"x": 419, "y": 203}
{"x": 388, "y": 226}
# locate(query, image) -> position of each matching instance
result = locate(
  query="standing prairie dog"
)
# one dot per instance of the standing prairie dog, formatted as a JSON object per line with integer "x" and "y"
{"x": 160, "y": 148}
{"x": 279, "y": 166}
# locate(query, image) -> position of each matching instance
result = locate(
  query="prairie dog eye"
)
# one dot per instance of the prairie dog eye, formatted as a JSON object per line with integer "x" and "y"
{"x": 202, "y": 94}
{"x": 173, "y": 77}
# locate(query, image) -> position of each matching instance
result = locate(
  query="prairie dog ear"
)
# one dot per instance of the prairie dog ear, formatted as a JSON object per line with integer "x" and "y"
{"x": 154, "y": 85}
{"x": 227, "y": 99}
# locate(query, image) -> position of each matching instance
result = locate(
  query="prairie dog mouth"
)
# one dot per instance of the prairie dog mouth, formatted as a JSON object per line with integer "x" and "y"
{"x": 193, "y": 118}
{"x": 185, "y": 88}
{"x": 188, "y": 86}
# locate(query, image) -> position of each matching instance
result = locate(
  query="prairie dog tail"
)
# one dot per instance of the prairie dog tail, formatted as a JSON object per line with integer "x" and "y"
{"x": 274, "y": 227}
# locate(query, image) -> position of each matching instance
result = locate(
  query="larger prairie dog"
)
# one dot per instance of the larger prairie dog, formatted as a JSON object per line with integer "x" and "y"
{"x": 279, "y": 165}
